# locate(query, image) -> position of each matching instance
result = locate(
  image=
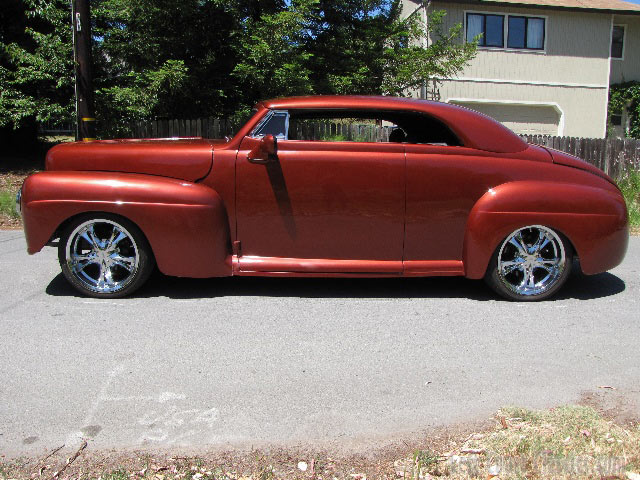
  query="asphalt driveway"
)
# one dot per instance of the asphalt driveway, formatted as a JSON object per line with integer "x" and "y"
{"x": 243, "y": 361}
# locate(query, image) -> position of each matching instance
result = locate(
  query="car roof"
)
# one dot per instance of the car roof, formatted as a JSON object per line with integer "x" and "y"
{"x": 473, "y": 128}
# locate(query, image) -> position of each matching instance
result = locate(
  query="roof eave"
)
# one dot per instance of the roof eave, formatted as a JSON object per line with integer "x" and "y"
{"x": 547, "y": 7}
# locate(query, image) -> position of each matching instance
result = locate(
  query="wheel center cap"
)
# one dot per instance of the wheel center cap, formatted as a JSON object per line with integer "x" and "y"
{"x": 530, "y": 261}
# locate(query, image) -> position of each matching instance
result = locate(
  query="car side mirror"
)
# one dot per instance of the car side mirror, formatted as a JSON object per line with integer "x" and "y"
{"x": 265, "y": 151}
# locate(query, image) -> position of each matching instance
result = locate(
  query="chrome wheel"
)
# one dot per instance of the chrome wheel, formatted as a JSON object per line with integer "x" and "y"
{"x": 102, "y": 256}
{"x": 531, "y": 261}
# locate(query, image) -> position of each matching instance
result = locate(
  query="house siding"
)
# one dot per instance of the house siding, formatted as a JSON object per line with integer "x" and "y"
{"x": 571, "y": 75}
{"x": 574, "y": 107}
{"x": 577, "y": 48}
{"x": 628, "y": 69}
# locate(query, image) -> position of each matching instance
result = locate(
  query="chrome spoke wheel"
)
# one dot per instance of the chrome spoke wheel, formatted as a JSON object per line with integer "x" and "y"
{"x": 102, "y": 256}
{"x": 531, "y": 261}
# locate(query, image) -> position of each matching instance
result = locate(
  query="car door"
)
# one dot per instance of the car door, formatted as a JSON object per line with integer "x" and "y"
{"x": 320, "y": 206}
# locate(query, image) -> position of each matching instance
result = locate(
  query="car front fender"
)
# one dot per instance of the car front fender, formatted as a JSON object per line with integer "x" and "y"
{"x": 592, "y": 217}
{"x": 185, "y": 223}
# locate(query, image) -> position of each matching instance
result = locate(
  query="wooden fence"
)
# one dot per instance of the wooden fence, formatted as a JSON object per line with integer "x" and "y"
{"x": 614, "y": 156}
{"x": 201, "y": 127}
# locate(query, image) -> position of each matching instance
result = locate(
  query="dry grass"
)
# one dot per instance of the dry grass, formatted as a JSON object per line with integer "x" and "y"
{"x": 571, "y": 442}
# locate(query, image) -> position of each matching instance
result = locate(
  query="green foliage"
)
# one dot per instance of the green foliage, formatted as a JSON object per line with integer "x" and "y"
{"x": 8, "y": 203}
{"x": 630, "y": 186}
{"x": 196, "y": 58}
{"x": 346, "y": 41}
{"x": 36, "y": 62}
{"x": 273, "y": 59}
{"x": 420, "y": 52}
{"x": 138, "y": 95}
{"x": 626, "y": 95}
{"x": 161, "y": 58}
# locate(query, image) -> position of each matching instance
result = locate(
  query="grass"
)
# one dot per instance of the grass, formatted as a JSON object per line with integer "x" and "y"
{"x": 9, "y": 186}
{"x": 568, "y": 442}
{"x": 8, "y": 203}
{"x": 630, "y": 186}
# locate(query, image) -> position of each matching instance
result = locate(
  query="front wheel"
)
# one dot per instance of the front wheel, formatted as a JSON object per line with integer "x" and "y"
{"x": 105, "y": 256}
{"x": 531, "y": 264}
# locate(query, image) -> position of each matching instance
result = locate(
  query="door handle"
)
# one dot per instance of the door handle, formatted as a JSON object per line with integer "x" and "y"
{"x": 258, "y": 160}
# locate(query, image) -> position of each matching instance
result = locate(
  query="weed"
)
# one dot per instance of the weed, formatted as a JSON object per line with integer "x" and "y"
{"x": 8, "y": 203}
{"x": 116, "y": 475}
{"x": 630, "y": 186}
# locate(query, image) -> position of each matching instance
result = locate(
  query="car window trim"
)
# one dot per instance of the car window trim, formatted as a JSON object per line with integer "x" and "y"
{"x": 266, "y": 119}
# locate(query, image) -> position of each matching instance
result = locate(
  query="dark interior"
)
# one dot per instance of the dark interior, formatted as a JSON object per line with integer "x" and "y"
{"x": 417, "y": 127}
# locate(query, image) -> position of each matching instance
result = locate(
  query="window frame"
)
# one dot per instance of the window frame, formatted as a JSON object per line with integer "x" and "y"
{"x": 505, "y": 33}
{"x": 264, "y": 120}
{"x": 484, "y": 27}
{"x": 624, "y": 40}
{"x": 526, "y": 31}
{"x": 254, "y": 132}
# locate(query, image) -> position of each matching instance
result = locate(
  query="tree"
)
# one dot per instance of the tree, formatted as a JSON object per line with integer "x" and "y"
{"x": 195, "y": 58}
{"x": 347, "y": 44}
{"x": 419, "y": 52}
{"x": 36, "y": 62}
{"x": 273, "y": 59}
{"x": 162, "y": 58}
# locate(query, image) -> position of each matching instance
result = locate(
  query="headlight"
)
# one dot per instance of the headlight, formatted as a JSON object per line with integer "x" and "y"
{"x": 18, "y": 199}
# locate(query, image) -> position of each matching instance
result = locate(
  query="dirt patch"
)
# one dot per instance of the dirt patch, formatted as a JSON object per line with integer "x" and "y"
{"x": 617, "y": 405}
{"x": 563, "y": 443}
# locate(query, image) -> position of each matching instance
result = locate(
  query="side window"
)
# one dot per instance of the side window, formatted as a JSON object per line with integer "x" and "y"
{"x": 369, "y": 126}
{"x": 325, "y": 128}
{"x": 276, "y": 123}
{"x": 617, "y": 42}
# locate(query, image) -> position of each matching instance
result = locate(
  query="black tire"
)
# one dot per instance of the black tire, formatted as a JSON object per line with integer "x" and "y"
{"x": 528, "y": 273}
{"x": 105, "y": 256}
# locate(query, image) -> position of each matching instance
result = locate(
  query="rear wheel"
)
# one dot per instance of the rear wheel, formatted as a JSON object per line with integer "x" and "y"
{"x": 531, "y": 264}
{"x": 105, "y": 256}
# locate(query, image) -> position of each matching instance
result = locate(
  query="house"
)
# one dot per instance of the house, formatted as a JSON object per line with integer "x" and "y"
{"x": 542, "y": 66}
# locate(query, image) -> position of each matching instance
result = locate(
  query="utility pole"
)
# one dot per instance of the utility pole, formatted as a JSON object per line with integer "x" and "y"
{"x": 86, "y": 122}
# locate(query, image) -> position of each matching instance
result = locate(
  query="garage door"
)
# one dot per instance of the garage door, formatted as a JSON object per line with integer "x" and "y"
{"x": 526, "y": 119}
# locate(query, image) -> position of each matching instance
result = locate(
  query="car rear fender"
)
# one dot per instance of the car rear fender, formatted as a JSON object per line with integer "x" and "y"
{"x": 593, "y": 218}
{"x": 185, "y": 223}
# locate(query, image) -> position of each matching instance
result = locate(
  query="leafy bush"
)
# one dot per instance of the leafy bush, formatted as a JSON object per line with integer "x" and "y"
{"x": 630, "y": 186}
{"x": 626, "y": 95}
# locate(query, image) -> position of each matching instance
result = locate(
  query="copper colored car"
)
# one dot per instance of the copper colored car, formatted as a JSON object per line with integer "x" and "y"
{"x": 328, "y": 186}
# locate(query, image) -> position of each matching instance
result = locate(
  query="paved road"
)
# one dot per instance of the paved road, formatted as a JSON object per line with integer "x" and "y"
{"x": 244, "y": 361}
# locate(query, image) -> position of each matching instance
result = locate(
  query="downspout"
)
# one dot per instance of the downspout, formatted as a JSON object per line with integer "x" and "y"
{"x": 425, "y": 19}
{"x": 606, "y": 105}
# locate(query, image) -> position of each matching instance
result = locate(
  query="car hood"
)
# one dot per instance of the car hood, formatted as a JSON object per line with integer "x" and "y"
{"x": 183, "y": 158}
{"x": 567, "y": 160}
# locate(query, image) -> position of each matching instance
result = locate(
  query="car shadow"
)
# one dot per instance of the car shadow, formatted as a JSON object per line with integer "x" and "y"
{"x": 578, "y": 287}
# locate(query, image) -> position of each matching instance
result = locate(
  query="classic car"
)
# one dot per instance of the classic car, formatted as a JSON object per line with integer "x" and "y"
{"x": 448, "y": 191}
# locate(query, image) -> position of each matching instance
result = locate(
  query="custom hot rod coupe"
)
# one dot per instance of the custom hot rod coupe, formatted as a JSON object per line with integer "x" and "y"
{"x": 448, "y": 192}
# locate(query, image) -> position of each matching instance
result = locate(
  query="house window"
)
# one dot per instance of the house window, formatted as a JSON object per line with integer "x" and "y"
{"x": 521, "y": 32}
{"x": 617, "y": 41}
{"x": 491, "y": 27}
{"x": 526, "y": 32}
